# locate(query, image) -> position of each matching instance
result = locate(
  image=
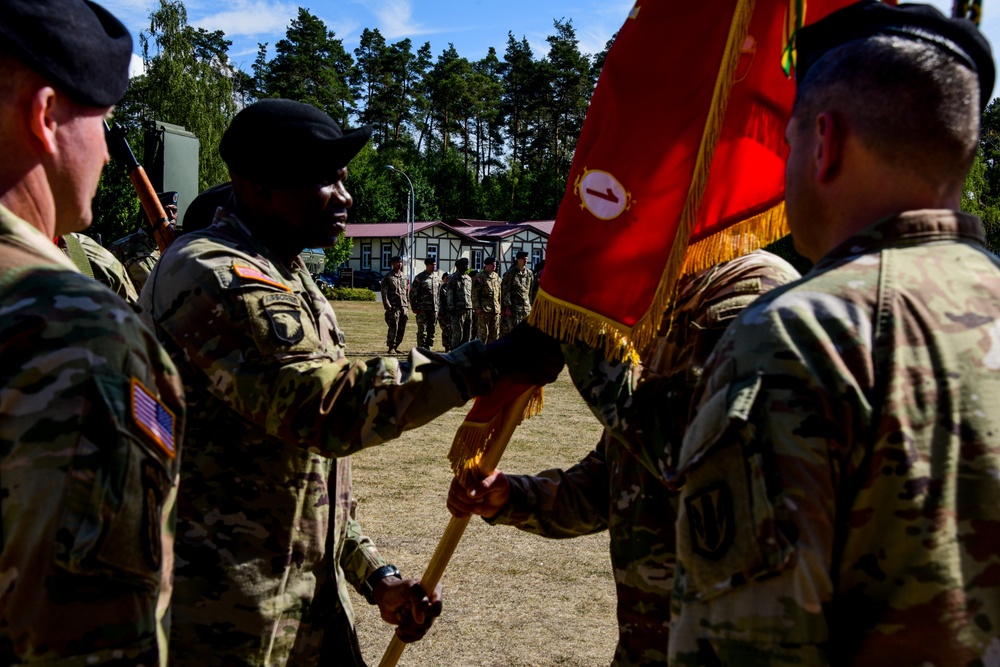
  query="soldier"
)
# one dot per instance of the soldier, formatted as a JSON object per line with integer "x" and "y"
{"x": 516, "y": 293}
{"x": 425, "y": 302}
{"x": 91, "y": 408}
{"x": 610, "y": 489}
{"x": 838, "y": 478}
{"x": 138, "y": 251}
{"x": 486, "y": 300}
{"x": 95, "y": 262}
{"x": 395, "y": 300}
{"x": 268, "y": 542}
{"x": 460, "y": 287}
{"x": 537, "y": 279}
{"x": 444, "y": 315}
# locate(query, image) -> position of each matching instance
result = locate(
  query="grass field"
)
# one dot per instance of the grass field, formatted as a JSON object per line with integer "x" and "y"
{"x": 510, "y": 599}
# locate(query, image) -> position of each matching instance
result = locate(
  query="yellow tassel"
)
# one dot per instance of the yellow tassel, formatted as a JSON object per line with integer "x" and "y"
{"x": 738, "y": 240}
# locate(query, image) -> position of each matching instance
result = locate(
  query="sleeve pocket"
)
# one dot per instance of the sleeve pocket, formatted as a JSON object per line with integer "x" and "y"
{"x": 727, "y": 529}
{"x": 117, "y": 485}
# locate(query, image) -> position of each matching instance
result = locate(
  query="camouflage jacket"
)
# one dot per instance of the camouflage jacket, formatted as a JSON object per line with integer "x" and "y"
{"x": 460, "y": 287}
{"x": 486, "y": 292}
{"x": 91, "y": 415}
{"x": 100, "y": 263}
{"x": 424, "y": 291}
{"x": 268, "y": 540}
{"x": 517, "y": 289}
{"x": 395, "y": 291}
{"x": 444, "y": 298}
{"x": 611, "y": 490}
{"x": 841, "y": 465}
{"x": 138, "y": 253}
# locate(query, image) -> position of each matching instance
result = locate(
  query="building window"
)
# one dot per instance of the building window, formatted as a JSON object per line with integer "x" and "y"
{"x": 432, "y": 252}
{"x": 477, "y": 260}
{"x": 386, "y": 253}
{"x": 366, "y": 255}
{"x": 536, "y": 257}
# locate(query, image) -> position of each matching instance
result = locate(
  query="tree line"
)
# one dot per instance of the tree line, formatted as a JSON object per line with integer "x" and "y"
{"x": 486, "y": 139}
{"x": 491, "y": 138}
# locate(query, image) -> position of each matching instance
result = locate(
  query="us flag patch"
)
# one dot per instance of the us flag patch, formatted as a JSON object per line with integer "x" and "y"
{"x": 154, "y": 418}
{"x": 249, "y": 273}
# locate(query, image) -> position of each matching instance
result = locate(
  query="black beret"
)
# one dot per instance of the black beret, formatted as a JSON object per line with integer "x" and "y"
{"x": 521, "y": 255}
{"x": 959, "y": 37}
{"x": 283, "y": 142}
{"x": 490, "y": 260}
{"x": 76, "y": 45}
{"x": 461, "y": 261}
{"x": 395, "y": 258}
{"x": 430, "y": 260}
{"x": 201, "y": 211}
{"x": 167, "y": 198}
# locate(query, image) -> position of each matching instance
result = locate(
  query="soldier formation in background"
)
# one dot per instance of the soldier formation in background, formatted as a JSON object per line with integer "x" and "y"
{"x": 486, "y": 301}
{"x": 396, "y": 302}
{"x": 138, "y": 251}
{"x": 460, "y": 304}
{"x": 516, "y": 297}
{"x": 425, "y": 302}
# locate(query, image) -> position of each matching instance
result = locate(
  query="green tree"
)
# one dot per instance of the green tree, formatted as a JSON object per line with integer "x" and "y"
{"x": 310, "y": 65}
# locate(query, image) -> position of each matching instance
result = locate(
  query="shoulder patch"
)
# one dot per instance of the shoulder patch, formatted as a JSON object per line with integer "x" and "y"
{"x": 285, "y": 314}
{"x": 711, "y": 519}
{"x": 250, "y": 273}
{"x": 154, "y": 418}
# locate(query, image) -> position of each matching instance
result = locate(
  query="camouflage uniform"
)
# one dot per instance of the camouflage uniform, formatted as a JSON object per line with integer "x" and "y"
{"x": 486, "y": 296}
{"x": 444, "y": 315}
{"x": 396, "y": 301}
{"x": 516, "y": 297}
{"x": 841, "y": 488}
{"x": 88, "y": 465}
{"x": 267, "y": 536}
{"x": 611, "y": 490}
{"x": 99, "y": 264}
{"x": 138, "y": 253}
{"x": 424, "y": 301}
{"x": 460, "y": 286}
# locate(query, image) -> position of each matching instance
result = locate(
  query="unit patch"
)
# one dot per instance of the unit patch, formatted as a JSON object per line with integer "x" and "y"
{"x": 285, "y": 313}
{"x": 711, "y": 520}
{"x": 249, "y": 273}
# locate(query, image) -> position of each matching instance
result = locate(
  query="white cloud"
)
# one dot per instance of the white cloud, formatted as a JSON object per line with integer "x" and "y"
{"x": 257, "y": 17}
{"x": 136, "y": 67}
{"x": 395, "y": 19}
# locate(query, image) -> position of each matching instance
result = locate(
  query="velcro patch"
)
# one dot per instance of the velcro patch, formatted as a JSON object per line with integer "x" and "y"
{"x": 711, "y": 520}
{"x": 250, "y": 273}
{"x": 285, "y": 313}
{"x": 154, "y": 418}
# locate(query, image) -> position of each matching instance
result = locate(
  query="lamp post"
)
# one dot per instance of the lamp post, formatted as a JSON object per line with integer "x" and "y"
{"x": 410, "y": 206}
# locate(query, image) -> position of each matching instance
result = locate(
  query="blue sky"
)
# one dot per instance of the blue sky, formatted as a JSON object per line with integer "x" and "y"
{"x": 472, "y": 25}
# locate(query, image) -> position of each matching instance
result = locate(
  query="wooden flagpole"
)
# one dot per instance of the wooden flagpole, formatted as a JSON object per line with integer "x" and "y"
{"x": 456, "y": 527}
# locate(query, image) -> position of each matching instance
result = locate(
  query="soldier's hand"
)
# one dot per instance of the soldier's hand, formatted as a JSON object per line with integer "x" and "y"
{"x": 403, "y": 603}
{"x": 526, "y": 355}
{"x": 485, "y": 498}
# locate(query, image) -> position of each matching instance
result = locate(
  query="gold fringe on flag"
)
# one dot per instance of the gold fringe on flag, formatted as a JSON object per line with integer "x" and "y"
{"x": 568, "y": 321}
{"x": 737, "y": 240}
{"x": 473, "y": 439}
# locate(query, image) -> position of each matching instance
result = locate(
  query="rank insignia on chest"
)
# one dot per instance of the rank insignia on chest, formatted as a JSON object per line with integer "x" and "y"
{"x": 711, "y": 520}
{"x": 153, "y": 418}
{"x": 285, "y": 315}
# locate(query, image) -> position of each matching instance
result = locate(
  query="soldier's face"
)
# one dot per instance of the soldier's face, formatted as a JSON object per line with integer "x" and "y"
{"x": 488, "y": 268}
{"x": 315, "y": 214}
{"x": 397, "y": 266}
{"x": 82, "y": 154}
{"x": 521, "y": 262}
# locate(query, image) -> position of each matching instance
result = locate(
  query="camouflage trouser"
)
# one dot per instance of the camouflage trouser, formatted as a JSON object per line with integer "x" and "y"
{"x": 445, "y": 321}
{"x": 396, "y": 320}
{"x": 426, "y": 326}
{"x": 510, "y": 321}
{"x": 461, "y": 327}
{"x": 489, "y": 324}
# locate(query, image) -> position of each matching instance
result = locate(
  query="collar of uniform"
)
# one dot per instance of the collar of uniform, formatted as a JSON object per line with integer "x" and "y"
{"x": 26, "y": 235}
{"x": 912, "y": 227}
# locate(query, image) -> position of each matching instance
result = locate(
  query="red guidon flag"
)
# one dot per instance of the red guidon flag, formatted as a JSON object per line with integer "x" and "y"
{"x": 680, "y": 164}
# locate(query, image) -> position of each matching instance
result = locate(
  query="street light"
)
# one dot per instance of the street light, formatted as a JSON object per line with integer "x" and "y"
{"x": 410, "y": 206}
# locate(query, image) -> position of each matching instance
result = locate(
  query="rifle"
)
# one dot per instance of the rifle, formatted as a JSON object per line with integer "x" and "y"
{"x": 122, "y": 153}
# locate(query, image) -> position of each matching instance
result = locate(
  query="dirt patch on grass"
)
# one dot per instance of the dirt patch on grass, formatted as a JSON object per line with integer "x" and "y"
{"x": 511, "y": 599}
